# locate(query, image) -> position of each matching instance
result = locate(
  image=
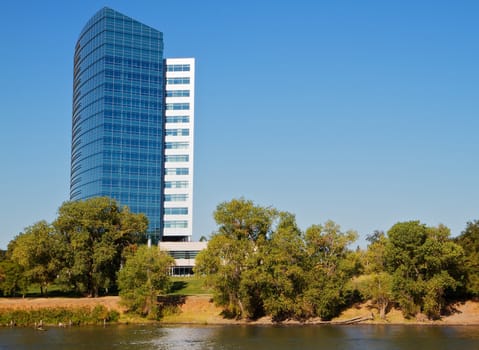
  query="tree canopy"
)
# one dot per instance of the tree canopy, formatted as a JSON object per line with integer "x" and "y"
{"x": 82, "y": 249}
{"x": 144, "y": 277}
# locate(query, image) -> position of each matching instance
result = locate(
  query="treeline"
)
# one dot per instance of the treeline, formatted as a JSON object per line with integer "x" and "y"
{"x": 93, "y": 247}
{"x": 260, "y": 263}
{"x": 82, "y": 250}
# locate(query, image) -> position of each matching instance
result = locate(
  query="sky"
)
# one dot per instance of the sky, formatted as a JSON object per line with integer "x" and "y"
{"x": 360, "y": 112}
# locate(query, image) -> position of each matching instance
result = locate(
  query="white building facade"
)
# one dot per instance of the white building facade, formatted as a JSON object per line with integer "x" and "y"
{"x": 179, "y": 149}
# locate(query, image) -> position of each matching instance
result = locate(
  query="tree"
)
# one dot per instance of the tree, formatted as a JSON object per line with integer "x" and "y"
{"x": 97, "y": 231}
{"x": 233, "y": 250}
{"x": 469, "y": 241}
{"x": 12, "y": 278}
{"x": 330, "y": 266}
{"x": 376, "y": 282}
{"x": 377, "y": 286}
{"x": 424, "y": 264}
{"x": 144, "y": 277}
{"x": 39, "y": 251}
{"x": 281, "y": 275}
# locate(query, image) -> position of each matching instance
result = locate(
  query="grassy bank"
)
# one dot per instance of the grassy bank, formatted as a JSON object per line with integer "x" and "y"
{"x": 188, "y": 303}
{"x": 58, "y": 316}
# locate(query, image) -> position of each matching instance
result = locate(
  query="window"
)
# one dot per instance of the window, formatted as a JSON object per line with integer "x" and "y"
{"x": 177, "y": 93}
{"x": 176, "y": 145}
{"x": 176, "y": 211}
{"x": 176, "y": 197}
{"x": 177, "y": 81}
{"x": 178, "y": 67}
{"x": 178, "y": 119}
{"x": 176, "y": 171}
{"x": 177, "y": 132}
{"x": 176, "y": 184}
{"x": 176, "y": 224}
{"x": 177, "y": 158}
{"x": 177, "y": 106}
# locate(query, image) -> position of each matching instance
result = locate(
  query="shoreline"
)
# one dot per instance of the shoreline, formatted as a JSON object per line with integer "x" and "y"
{"x": 199, "y": 310}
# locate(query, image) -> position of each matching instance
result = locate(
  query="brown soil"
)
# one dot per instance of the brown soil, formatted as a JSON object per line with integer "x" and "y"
{"x": 200, "y": 310}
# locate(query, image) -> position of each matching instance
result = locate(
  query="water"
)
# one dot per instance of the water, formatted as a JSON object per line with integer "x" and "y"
{"x": 244, "y": 337}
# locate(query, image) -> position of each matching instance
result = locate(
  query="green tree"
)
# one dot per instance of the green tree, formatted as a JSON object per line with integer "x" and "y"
{"x": 96, "y": 231}
{"x": 144, "y": 277}
{"x": 469, "y": 241}
{"x": 39, "y": 251}
{"x": 330, "y": 267}
{"x": 424, "y": 264}
{"x": 281, "y": 275}
{"x": 377, "y": 286}
{"x": 12, "y": 278}
{"x": 376, "y": 283}
{"x": 232, "y": 251}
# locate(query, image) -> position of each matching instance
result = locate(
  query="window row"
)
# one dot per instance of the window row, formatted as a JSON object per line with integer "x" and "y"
{"x": 183, "y": 254}
{"x": 176, "y": 184}
{"x": 134, "y": 89}
{"x": 176, "y": 224}
{"x": 126, "y": 50}
{"x": 177, "y": 132}
{"x": 178, "y": 119}
{"x": 132, "y": 183}
{"x": 178, "y": 67}
{"x": 178, "y": 81}
{"x": 177, "y": 171}
{"x": 176, "y": 197}
{"x": 118, "y": 74}
{"x": 133, "y": 129}
{"x": 128, "y": 62}
{"x": 176, "y": 211}
{"x": 177, "y": 93}
{"x": 127, "y": 170}
{"x": 176, "y": 145}
{"x": 177, "y": 106}
{"x": 110, "y": 100}
{"x": 177, "y": 158}
{"x": 150, "y": 116}
{"x": 133, "y": 142}
{"x": 124, "y": 155}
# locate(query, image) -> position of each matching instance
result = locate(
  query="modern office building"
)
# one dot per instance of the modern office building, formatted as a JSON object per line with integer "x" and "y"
{"x": 133, "y": 123}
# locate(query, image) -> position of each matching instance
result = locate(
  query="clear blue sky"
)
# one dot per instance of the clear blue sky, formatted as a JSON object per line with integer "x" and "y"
{"x": 363, "y": 112}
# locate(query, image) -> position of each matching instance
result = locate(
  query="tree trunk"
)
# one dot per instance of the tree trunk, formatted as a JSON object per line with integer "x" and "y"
{"x": 382, "y": 309}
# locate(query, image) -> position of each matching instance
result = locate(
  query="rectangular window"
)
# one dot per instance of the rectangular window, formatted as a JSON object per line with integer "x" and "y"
{"x": 176, "y": 171}
{"x": 176, "y": 224}
{"x": 176, "y": 197}
{"x": 178, "y": 81}
{"x": 177, "y": 158}
{"x": 178, "y": 68}
{"x": 178, "y": 119}
{"x": 176, "y": 184}
{"x": 177, "y": 93}
{"x": 177, "y": 106}
{"x": 177, "y": 132}
{"x": 176, "y": 145}
{"x": 176, "y": 211}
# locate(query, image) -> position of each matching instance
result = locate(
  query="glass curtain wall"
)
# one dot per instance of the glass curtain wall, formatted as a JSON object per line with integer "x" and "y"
{"x": 117, "y": 121}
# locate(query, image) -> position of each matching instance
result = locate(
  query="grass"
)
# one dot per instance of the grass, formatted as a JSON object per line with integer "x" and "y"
{"x": 193, "y": 285}
{"x": 58, "y": 315}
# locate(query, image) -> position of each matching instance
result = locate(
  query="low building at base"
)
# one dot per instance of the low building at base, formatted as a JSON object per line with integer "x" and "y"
{"x": 184, "y": 254}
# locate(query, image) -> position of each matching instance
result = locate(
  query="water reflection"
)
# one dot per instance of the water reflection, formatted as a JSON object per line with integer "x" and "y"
{"x": 243, "y": 337}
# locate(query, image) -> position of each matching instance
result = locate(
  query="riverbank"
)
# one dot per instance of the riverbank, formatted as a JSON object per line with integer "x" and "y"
{"x": 200, "y": 310}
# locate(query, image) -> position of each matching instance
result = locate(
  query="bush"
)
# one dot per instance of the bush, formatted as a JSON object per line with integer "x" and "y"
{"x": 58, "y": 315}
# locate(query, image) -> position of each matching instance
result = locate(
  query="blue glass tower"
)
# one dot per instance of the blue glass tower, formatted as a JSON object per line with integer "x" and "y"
{"x": 118, "y": 115}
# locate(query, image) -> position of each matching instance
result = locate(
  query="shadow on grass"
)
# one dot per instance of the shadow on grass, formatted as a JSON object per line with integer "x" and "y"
{"x": 178, "y": 285}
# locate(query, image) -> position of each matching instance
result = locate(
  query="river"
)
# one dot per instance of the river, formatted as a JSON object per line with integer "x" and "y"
{"x": 244, "y": 337}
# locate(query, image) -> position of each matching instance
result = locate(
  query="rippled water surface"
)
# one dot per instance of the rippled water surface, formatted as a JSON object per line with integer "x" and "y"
{"x": 243, "y": 337}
